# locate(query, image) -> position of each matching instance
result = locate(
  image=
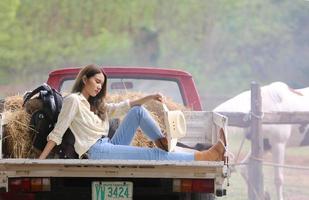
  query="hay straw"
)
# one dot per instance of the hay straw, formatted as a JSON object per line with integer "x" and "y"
{"x": 13, "y": 103}
{"x": 17, "y": 139}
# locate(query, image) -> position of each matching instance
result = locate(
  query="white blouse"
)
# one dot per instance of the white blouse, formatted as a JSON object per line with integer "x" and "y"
{"x": 85, "y": 125}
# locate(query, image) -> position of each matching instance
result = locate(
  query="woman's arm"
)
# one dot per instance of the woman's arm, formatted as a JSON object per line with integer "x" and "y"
{"x": 65, "y": 118}
{"x": 49, "y": 146}
{"x": 141, "y": 101}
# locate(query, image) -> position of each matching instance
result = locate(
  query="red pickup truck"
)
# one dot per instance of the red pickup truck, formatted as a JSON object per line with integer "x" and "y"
{"x": 124, "y": 179}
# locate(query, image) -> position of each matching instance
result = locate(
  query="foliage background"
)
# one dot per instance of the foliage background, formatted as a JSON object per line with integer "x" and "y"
{"x": 224, "y": 44}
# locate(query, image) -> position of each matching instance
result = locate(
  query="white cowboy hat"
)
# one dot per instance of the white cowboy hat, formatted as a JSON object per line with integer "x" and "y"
{"x": 176, "y": 127}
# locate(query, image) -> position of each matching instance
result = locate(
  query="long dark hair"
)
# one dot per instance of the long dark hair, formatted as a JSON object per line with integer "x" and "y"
{"x": 96, "y": 102}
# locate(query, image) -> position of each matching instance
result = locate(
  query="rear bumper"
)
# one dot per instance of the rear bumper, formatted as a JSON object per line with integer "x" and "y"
{"x": 17, "y": 196}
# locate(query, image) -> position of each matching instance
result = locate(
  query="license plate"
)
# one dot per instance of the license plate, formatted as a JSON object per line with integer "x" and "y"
{"x": 112, "y": 190}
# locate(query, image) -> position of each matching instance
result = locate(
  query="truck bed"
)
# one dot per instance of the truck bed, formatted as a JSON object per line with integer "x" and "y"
{"x": 202, "y": 126}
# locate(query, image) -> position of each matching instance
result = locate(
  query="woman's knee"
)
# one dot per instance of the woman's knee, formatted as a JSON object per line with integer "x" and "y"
{"x": 138, "y": 113}
{"x": 139, "y": 110}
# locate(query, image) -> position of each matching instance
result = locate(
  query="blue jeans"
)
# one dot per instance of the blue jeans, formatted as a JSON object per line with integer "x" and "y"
{"x": 118, "y": 147}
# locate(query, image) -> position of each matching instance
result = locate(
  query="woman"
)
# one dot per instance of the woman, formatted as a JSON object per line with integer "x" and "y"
{"x": 86, "y": 114}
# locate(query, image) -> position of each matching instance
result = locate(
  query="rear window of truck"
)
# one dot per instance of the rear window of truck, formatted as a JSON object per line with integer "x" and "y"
{"x": 169, "y": 88}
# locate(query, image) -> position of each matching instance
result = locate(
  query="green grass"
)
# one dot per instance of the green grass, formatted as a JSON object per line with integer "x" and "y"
{"x": 237, "y": 188}
{"x": 298, "y": 151}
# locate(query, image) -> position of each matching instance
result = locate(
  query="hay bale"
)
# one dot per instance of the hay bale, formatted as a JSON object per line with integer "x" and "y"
{"x": 17, "y": 138}
{"x": 17, "y": 135}
{"x": 13, "y": 103}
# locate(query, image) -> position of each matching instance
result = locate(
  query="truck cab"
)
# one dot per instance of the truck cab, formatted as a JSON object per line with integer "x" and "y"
{"x": 173, "y": 83}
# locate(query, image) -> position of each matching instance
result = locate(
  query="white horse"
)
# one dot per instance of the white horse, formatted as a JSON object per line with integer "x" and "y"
{"x": 276, "y": 96}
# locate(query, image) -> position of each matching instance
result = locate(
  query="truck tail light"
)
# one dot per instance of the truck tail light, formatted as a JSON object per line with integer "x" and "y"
{"x": 194, "y": 185}
{"x": 29, "y": 184}
{"x": 40, "y": 184}
{"x": 19, "y": 185}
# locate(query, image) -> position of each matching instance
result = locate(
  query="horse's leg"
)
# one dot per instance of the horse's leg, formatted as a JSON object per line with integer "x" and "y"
{"x": 279, "y": 135}
{"x": 278, "y": 153}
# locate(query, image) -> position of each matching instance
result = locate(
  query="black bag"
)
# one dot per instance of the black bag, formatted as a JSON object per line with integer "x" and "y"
{"x": 44, "y": 119}
{"x": 40, "y": 126}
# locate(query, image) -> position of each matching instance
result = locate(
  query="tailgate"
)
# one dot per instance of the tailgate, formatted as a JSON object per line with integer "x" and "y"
{"x": 110, "y": 168}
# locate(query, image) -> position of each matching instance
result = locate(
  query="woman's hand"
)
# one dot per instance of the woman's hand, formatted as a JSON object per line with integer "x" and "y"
{"x": 49, "y": 146}
{"x": 157, "y": 97}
